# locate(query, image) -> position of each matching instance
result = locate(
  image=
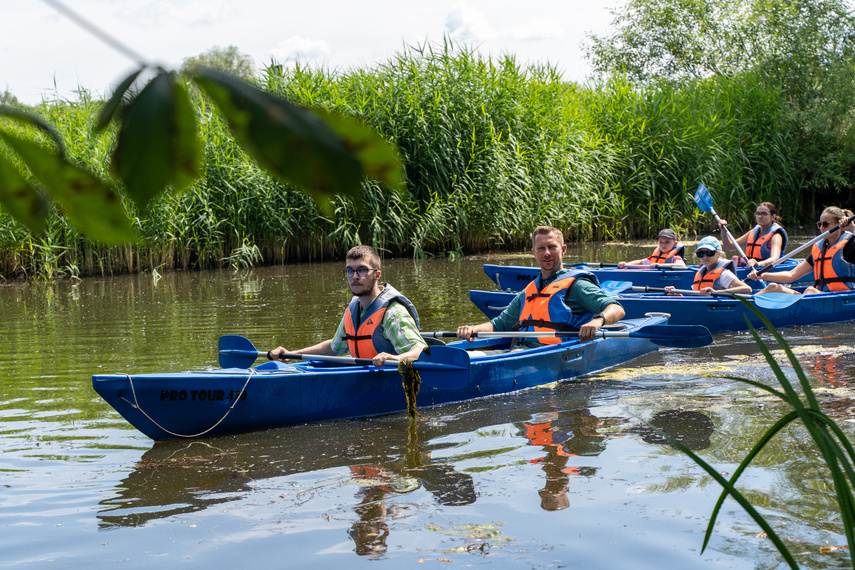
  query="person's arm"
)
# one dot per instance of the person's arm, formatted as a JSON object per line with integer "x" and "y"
{"x": 610, "y": 315}
{"x": 731, "y": 284}
{"x": 634, "y": 263}
{"x": 849, "y": 251}
{"x": 725, "y": 238}
{"x": 323, "y": 348}
{"x": 504, "y": 322}
{"x": 592, "y": 299}
{"x": 400, "y": 329}
{"x": 794, "y": 274}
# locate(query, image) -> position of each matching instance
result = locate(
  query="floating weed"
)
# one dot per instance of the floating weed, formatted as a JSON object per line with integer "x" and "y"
{"x": 473, "y": 531}
{"x": 728, "y": 364}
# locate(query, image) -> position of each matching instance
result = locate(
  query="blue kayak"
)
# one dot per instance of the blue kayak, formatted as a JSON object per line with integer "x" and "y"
{"x": 516, "y": 277}
{"x": 275, "y": 394}
{"x": 718, "y": 314}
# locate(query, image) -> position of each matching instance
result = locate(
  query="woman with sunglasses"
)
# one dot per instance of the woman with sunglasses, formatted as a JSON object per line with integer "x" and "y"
{"x": 764, "y": 243}
{"x": 832, "y": 261}
{"x": 714, "y": 274}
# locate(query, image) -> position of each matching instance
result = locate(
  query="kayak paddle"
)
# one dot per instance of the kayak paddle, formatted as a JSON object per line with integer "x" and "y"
{"x": 238, "y": 352}
{"x": 821, "y": 236}
{"x": 674, "y": 336}
{"x": 763, "y": 300}
{"x": 613, "y": 288}
{"x": 703, "y": 199}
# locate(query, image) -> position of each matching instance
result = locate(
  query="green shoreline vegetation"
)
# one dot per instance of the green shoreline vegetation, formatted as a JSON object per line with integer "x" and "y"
{"x": 491, "y": 148}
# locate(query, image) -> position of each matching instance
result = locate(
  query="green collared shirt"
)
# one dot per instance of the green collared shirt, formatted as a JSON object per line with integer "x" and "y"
{"x": 398, "y": 326}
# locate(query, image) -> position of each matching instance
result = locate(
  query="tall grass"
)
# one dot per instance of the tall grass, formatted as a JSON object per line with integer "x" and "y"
{"x": 491, "y": 149}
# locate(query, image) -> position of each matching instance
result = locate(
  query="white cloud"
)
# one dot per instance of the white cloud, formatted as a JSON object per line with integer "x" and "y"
{"x": 301, "y": 49}
{"x": 535, "y": 30}
{"x": 468, "y": 25}
{"x": 193, "y": 13}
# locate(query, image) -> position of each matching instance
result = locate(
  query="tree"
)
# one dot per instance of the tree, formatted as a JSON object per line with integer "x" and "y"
{"x": 674, "y": 39}
{"x": 7, "y": 98}
{"x": 229, "y": 60}
{"x": 805, "y": 49}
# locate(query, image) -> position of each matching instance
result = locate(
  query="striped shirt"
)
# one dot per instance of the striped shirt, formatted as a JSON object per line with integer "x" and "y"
{"x": 398, "y": 326}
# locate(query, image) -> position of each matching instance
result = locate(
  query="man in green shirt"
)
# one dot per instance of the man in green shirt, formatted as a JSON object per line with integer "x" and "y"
{"x": 379, "y": 323}
{"x": 533, "y": 307}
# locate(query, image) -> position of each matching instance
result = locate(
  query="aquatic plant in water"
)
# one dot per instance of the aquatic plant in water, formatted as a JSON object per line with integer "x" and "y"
{"x": 834, "y": 447}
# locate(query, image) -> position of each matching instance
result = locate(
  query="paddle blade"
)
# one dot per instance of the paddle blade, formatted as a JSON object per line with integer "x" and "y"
{"x": 675, "y": 336}
{"x": 236, "y": 352}
{"x": 703, "y": 199}
{"x": 613, "y": 288}
{"x": 444, "y": 368}
{"x": 775, "y": 301}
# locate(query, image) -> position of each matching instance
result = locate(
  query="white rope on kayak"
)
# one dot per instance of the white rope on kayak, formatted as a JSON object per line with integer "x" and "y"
{"x": 135, "y": 404}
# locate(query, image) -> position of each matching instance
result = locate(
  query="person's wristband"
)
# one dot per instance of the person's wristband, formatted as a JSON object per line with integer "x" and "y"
{"x": 599, "y": 316}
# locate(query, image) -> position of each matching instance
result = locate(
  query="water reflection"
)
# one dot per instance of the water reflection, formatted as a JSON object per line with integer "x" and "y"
{"x": 177, "y": 478}
{"x": 563, "y": 435}
{"x": 692, "y": 429}
{"x": 380, "y": 482}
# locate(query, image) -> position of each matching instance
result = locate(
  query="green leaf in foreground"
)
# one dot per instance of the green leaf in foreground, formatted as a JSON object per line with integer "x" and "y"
{"x": 21, "y": 199}
{"x": 108, "y": 111}
{"x": 379, "y": 158}
{"x": 291, "y": 142}
{"x": 33, "y": 121}
{"x": 158, "y": 145}
{"x": 93, "y": 207}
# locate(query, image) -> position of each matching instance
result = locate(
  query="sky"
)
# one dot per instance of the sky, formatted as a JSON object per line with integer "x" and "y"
{"x": 44, "y": 54}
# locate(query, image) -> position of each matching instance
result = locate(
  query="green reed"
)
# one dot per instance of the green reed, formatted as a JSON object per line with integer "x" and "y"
{"x": 491, "y": 149}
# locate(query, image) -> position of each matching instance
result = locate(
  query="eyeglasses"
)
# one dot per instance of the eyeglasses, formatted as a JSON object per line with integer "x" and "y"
{"x": 702, "y": 253}
{"x": 362, "y": 271}
{"x": 823, "y": 225}
{"x": 762, "y": 214}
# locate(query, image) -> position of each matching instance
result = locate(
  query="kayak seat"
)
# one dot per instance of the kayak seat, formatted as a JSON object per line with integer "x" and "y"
{"x": 434, "y": 341}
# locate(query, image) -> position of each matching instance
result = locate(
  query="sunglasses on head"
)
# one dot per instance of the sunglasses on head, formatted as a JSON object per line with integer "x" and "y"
{"x": 701, "y": 253}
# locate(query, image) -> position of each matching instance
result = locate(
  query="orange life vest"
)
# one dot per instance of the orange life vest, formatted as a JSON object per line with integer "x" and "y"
{"x": 365, "y": 339}
{"x": 668, "y": 256}
{"x": 546, "y": 310}
{"x": 704, "y": 278}
{"x": 759, "y": 246}
{"x": 830, "y": 271}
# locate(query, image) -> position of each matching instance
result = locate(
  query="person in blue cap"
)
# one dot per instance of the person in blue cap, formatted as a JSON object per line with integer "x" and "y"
{"x": 715, "y": 274}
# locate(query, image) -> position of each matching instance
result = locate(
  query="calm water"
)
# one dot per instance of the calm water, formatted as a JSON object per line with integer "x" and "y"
{"x": 563, "y": 476}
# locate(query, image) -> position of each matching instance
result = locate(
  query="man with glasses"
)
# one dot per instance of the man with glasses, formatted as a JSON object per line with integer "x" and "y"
{"x": 379, "y": 323}
{"x": 832, "y": 261}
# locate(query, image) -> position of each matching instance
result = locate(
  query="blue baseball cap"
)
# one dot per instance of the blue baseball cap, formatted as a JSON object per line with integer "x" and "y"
{"x": 709, "y": 243}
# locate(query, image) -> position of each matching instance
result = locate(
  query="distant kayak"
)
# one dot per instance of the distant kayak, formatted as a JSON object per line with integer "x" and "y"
{"x": 716, "y": 313}
{"x": 516, "y": 277}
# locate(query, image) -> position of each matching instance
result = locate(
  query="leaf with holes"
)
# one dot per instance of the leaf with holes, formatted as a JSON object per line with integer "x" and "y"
{"x": 158, "y": 145}
{"x": 22, "y": 200}
{"x": 93, "y": 207}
